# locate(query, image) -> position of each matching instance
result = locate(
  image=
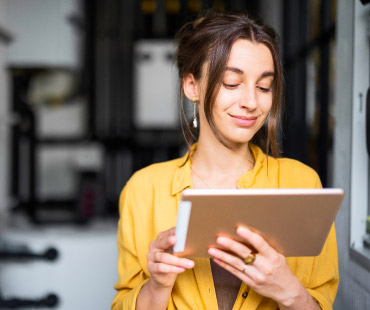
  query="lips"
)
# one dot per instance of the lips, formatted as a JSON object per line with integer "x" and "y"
{"x": 244, "y": 121}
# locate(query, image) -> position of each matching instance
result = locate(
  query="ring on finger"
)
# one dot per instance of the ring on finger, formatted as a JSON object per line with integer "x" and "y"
{"x": 156, "y": 259}
{"x": 244, "y": 268}
{"x": 251, "y": 257}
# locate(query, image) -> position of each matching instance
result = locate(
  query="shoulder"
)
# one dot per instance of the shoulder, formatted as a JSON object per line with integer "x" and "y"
{"x": 149, "y": 182}
{"x": 285, "y": 172}
{"x": 294, "y": 173}
{"x": 289, "y": 165}
{"x": 155, "y": 174}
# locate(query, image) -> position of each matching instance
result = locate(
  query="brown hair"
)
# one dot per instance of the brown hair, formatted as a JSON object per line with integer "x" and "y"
{"x": 210, "y": 39}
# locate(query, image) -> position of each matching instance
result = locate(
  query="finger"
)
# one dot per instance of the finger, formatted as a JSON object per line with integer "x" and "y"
{"x": 164, "y": 268}
{"x": 164, "y": 241}
{"x": 236, "y": 247}
{"x": 229, "y": 259}
{"x": 256, "y": 241}
{"x": 172, "y": 231}
{"x": 254, "y": 273}
{"x": 169, "y": 259}
{"x": 242, "y": 251}
{"x": 240, "y": 274}
{"x": 246, "y": 273}
{"x": 260, "y": 263}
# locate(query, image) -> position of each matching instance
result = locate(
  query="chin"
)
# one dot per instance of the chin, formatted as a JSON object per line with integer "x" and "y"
{"x": 238, "y": 140}
{"x": 235, "y": 135}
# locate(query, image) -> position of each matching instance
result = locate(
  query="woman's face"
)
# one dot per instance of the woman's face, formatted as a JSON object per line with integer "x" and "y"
{"x": 245, "y": 96}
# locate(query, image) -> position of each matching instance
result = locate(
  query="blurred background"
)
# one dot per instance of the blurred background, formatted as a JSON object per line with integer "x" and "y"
{"x": 89, "y": 95}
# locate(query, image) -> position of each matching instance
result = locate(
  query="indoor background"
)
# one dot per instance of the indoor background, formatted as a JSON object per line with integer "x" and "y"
{"x": 89, "y": 95}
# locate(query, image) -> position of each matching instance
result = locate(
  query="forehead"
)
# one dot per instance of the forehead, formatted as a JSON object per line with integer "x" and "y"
{"x": 250, "y": 55}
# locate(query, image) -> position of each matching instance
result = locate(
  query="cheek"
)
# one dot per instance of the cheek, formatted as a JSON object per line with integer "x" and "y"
{"x": 268, "y": 107}
{"x": 265, "y": 103}
{"x": 225, "y": 100}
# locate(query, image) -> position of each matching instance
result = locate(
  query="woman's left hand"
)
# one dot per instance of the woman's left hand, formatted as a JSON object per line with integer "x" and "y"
{"x": 269, "y": 274}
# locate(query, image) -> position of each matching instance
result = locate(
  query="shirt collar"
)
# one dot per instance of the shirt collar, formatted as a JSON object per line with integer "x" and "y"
{"x": 249, "y": 179}
{"x": 182, "y": 178}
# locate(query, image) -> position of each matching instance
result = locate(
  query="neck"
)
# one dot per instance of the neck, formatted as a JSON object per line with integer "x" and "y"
{"x": 219, "y": 165}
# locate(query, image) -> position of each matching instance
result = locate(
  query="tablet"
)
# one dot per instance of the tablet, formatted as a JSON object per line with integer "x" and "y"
{"x": 296, "y": 222}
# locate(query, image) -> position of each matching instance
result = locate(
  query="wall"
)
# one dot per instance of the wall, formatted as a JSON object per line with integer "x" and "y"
{"x": 354, "y": 289}
{"x": 44, "y": 35}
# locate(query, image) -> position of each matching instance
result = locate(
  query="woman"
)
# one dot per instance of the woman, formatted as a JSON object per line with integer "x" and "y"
{"x": 229, "y": 67}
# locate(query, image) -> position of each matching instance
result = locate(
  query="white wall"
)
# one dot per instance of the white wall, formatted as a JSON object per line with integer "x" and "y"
{"x": 43, "y": 34}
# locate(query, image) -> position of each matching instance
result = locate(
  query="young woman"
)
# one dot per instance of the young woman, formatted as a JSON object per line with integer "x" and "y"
{"x": 229, "y": 67}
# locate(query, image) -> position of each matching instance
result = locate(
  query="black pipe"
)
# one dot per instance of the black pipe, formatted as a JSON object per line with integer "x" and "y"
{"x": 50, "y": 301}
{"x": 50, "y": 254}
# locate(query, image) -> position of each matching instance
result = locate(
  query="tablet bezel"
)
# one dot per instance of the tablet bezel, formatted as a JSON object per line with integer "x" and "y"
{"x": 314, "y": 209}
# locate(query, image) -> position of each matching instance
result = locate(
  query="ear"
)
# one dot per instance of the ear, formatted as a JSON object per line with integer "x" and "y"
{"x": 191, "y": 87}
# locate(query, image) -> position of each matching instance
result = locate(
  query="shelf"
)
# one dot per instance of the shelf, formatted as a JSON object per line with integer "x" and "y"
{"x": 136, "y": 138}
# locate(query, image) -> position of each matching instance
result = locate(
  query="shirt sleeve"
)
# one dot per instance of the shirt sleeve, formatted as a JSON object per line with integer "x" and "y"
{"x": 131, "y": 276}
{"x": 324, "y": 280}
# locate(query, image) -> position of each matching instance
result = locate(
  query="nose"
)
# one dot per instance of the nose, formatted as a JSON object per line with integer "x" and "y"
{"x": 249, "y": 98}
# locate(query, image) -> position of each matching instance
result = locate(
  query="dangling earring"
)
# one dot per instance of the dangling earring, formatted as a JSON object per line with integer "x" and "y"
{"x": 195, "y": 120}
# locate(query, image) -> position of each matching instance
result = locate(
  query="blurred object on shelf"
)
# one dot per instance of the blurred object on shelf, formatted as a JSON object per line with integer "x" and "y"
{"x": 155, "y": 93}
{"x": 66, "y": 120}
{"x": 53, "y": 87}
{"x": 88, "y": 168}
{"x": 91, "y": 202}
{"x": 59, "y": 167}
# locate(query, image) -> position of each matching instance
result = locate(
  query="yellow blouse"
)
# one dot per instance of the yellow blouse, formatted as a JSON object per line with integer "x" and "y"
{"x": 148, "y": 205}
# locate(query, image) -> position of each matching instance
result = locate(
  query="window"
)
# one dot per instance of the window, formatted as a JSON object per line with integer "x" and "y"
{"x": 360, "y": 173}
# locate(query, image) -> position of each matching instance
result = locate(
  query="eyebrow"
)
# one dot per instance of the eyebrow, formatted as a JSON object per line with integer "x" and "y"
{"x": 233, "y": 69}
{"x": 263, "y": 75}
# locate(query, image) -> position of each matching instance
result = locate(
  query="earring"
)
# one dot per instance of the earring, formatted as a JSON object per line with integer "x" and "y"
{"x": 195, "y": 120}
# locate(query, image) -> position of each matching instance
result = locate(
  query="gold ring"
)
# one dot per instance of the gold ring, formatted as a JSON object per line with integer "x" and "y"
{"x": 156, "y": 256}
{"x": 251, "y": 257}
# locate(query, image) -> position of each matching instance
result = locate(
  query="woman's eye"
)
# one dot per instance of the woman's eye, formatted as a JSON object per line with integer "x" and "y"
{"x": 230, "y": 86}
{"x": 264, "y": 89}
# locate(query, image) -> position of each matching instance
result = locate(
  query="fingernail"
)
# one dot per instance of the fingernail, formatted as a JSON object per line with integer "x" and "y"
{"x": 211, "y": 251}
{"x": 221, "y": 240}
{"x": 190, "y": 264}
{"x": 241, "y": 230}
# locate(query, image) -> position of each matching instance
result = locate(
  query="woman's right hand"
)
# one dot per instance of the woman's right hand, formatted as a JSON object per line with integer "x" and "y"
{"x": 162, "y": 265}
{"x": 163, "y": 268}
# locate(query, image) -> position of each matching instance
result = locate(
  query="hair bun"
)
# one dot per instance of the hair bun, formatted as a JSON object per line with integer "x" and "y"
{"x": 198, "y": 21}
